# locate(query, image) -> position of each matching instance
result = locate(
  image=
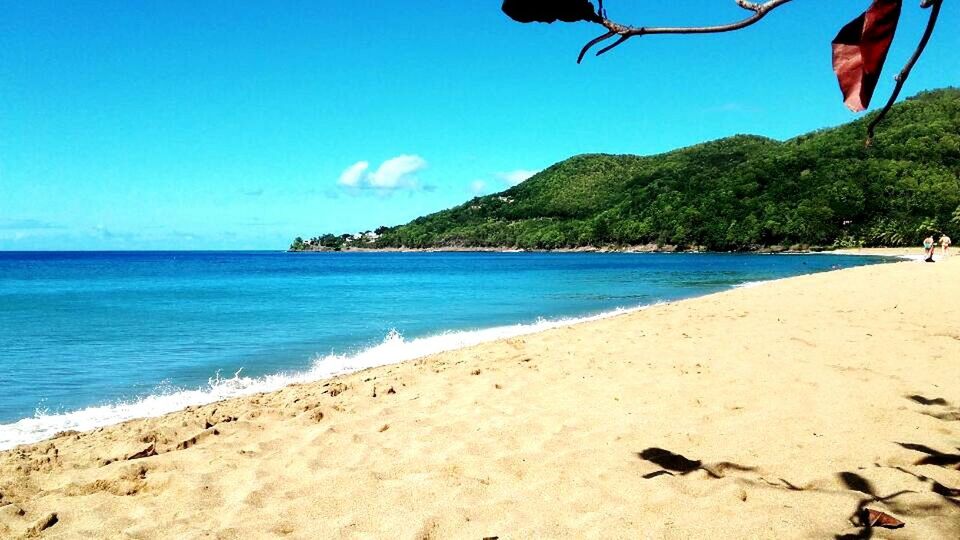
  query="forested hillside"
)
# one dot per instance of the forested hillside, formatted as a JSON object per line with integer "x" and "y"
{"x": 820, "y": 189}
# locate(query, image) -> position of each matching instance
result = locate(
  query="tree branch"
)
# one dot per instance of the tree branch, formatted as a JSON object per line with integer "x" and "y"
{"x": 901, "y": 77}
{"x": 760, "y": 10}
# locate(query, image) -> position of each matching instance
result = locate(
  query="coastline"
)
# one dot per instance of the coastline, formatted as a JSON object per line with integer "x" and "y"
{"x": 648, "y": 248}
{"x": 555, "y": 433}
{"x": 394, "y": 348}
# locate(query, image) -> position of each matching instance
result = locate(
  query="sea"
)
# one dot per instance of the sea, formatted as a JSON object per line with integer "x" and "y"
{"x": 89, "y": 339}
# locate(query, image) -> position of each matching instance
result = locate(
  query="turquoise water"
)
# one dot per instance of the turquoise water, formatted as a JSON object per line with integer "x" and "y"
{"x": 92, "y": 338}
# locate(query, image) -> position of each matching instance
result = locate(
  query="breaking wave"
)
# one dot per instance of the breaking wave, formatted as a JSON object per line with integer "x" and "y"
{"x": 393, "y": 349}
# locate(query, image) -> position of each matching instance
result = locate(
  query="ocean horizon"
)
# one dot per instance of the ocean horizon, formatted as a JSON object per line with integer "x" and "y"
{"x": 92, "y": 338}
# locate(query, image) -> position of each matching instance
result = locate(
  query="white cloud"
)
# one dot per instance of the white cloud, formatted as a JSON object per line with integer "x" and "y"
{"x": 395, "y": 173}
{"x": 478, "y": 187}
{"x": 352, "y": 176}
{"x": 515, "y": 177}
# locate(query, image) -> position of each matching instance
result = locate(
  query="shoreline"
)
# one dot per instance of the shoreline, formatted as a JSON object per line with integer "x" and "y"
{"x": 569, "y": 420}
{"x": 97, "y": 417}
{"x": 36, "y": 429}
{"x": 651, "y": 248}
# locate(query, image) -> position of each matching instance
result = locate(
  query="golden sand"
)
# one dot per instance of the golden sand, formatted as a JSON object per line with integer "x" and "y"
{"x": 775, "y": 411}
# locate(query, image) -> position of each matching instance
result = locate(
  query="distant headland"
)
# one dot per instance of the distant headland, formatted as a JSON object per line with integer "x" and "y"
{"x": 824, "y": 189}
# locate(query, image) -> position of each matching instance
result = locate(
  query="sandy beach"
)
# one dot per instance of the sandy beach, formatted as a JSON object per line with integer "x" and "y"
{"x": 775, "y": 411}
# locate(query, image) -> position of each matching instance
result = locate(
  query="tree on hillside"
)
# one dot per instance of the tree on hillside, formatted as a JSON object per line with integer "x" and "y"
{"x": 818, "y": 189}
{"x": 859, "y": 50}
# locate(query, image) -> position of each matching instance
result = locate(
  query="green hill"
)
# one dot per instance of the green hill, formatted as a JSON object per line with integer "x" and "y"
{"x": 820, "y": 189}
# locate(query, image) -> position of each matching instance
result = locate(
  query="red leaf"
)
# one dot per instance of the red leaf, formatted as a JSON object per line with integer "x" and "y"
{"x": 876, "y": 518}
{"x": 860, "y": 49}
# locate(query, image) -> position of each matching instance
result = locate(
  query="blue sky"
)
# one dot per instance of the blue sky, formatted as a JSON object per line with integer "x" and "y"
{"x": 239, "y": 125}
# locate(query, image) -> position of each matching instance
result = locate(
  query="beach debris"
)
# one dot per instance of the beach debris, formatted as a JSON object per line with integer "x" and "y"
{"x": 384, "y": 428}
{"x": 391, "y": 391}
{"x": 876, "y": 518}
{"x": 475, "y": 372}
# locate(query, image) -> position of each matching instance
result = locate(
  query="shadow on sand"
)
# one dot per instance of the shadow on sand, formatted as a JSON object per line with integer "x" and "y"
{"x": 940, "y": 408}
{"x": 673, "y": 464}
{"x": 677, "y": 464}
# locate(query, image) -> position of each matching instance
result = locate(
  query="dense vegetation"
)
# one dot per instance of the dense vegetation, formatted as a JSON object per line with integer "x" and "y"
{"x": 821, "y": 189}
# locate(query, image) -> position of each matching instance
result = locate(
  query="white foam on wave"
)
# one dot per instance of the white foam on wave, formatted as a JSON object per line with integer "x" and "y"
{"x": 752, "y": 284}
{"x": 392, "y": 350}
{"x": 749, "y": 284}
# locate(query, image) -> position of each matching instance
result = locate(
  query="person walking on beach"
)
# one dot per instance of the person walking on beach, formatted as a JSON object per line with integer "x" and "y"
{"x": 944, "y": 245}
{"x": 928, "y": 249}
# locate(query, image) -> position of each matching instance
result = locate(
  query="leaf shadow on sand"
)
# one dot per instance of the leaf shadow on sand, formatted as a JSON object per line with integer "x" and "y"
{"x": 927, "y": 401}
{"x": 938, "y": 408}
{"x": 855, "y": 482}
{"x": 952, "y": 495}
{"x": 859, "y": 518}
{"x": 934, "y": 456}
{"x": 673, "y": 464}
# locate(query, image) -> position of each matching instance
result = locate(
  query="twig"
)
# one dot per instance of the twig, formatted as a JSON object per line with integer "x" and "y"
{"x": 593, "y": 42}
{"x": 901, "y": 77}
{"x": 760, "y": 10}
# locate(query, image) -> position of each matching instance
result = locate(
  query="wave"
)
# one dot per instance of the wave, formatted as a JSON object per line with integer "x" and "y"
{"x": 752, "y": 284}
{"x": 392, "y": 350}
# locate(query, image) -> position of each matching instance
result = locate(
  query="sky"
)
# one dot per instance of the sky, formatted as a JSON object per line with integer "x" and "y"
{"x": 241, "y": 124}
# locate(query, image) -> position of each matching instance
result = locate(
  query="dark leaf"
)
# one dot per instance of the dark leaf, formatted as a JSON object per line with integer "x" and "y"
{"x": 549, "y": 11}
{"x": 860, "y": 49}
